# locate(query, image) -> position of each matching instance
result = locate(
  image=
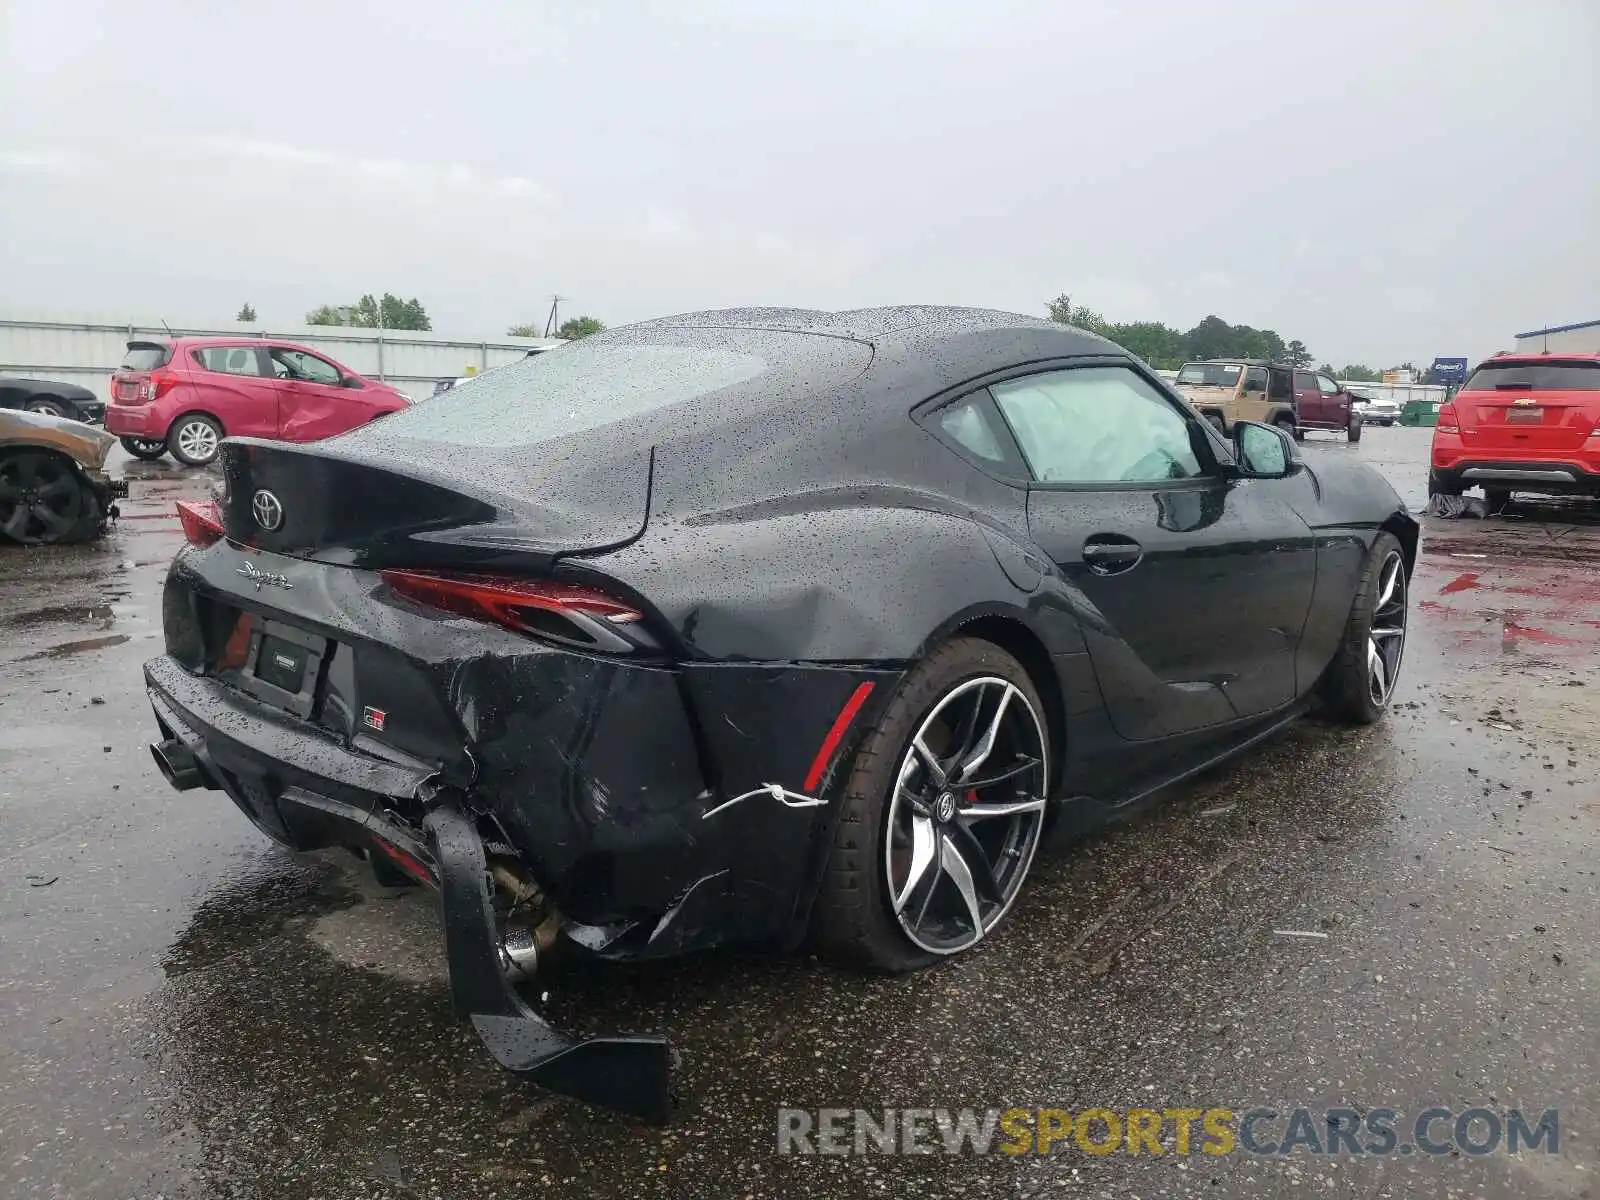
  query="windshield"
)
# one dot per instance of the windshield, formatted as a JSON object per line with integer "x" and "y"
{"x": 1209, "y": 374}
{"x": 1535, "y": 377}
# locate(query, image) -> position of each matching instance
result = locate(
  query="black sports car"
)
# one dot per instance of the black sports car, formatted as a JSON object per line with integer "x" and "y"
{"x": 739, "y": 626}
{"x": 52, "y": 399}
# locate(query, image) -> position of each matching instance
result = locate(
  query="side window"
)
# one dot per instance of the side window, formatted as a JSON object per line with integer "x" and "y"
{"x": 1303, "y": 382}
{"x": 1328, "y": 386}
{"x": 1255, "y": 379}
{"x": 1097, "y": 425}
{"x": 297, "y": 364}
{"x": 973, "y": 424}
{"x": 229, "y": 360}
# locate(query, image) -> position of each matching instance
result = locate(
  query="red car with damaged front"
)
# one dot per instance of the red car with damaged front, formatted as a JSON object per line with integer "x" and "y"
{"x": 1521, "y": 423}
{"x": 187, "y": 394}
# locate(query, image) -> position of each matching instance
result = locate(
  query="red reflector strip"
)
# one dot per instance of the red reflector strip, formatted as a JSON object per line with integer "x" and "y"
{"x": 202, "y": 522}
{"x": 852, "y": 706}
{"x": 411, "y": 866}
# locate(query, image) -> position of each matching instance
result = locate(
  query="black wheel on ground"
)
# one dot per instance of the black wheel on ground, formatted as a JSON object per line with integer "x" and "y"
{"x": 47, "y": 408}
{"x": 44, "y": 499}
{"x": 148, "y": 449}
{"x": 1359, "y": 681}
{"x": 1437, "y": 487}
{"x": 1352, "y": 431}
{"x": 941, "y": 813}
{"x": 1287, "y": 424}
{"x": 1218, "y": 424}
{"x": 194, "y": 438}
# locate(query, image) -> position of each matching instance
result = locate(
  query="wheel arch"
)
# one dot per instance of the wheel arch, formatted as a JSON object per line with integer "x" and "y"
{"x": 1407, "y": 533}
{"x": 1013, "y": 635}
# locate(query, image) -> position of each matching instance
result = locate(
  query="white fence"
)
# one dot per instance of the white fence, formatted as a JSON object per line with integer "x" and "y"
{"x": 85, "y": 351}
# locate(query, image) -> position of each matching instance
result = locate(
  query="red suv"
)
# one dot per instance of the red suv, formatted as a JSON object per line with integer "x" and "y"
{"x": 188, "y": 394}
{"x": 1522, "y": 422}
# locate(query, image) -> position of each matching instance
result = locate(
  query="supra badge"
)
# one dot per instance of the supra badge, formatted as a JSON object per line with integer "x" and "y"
{"x": 374, "y": 718}
{"x": 258, "y": 577}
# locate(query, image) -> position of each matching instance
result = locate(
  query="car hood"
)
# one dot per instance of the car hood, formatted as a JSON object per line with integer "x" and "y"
{"x": 85, "y": 444}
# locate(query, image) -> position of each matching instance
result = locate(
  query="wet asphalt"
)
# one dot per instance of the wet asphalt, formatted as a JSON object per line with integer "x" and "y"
{"x": 186, "y": 1010}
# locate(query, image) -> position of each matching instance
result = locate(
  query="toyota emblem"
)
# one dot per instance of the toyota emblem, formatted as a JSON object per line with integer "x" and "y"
{"x": 268, "y": 510}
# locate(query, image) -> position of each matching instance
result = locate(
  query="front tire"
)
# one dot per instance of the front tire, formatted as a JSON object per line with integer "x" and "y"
{"x": 941, "y": 814}
{"x": 1352, "y": 431}
{"x": 194, "y": 439}
{"x": 1361, "y": 678}
{"x": 44, "y": 501}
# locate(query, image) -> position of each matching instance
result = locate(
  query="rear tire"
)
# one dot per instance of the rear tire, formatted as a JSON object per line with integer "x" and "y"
{"x": 148, "y": 449}
{"x": 194, "y": 439}
{"x": 1287, "y": 424}
{"x": 47, "y": 408}
{"x": 1355, "y": 689}
{"x": 1218, "y": 424}
{"x": 1352, "y": 431}
{"x": 895, "y": 814}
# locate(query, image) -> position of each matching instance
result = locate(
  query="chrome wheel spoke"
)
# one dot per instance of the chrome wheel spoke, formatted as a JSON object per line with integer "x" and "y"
{"x": 980, "y": 753}
{"x": 980, "y": 812}
{"x": 1392, "y": 631}
{"x": 955, "y": 868}
{"x": 1377, "y": 672}
{"x": 977, "y": 785}
{"x": 922, "y": 856}
{"x": 929, "y": 761}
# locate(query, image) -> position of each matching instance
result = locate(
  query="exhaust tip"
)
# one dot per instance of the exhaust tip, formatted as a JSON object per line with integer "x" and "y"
{"x": 177, "y": 764}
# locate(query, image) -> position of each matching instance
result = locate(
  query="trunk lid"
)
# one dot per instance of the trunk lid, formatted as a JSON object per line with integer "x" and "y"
{"x": 391, "y": 510}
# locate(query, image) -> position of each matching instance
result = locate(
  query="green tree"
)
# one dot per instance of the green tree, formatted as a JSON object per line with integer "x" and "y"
{"x": 246, "y": 313}
{"x": 524, "y": 331}
{"x": 580, "y": 327}
{"x": 1359, "y": 373}
{"x": 1159, "y": 345}
{"x": 1063, "y": 312}
{"x": 391, "y": 312}
{"x": 1298, "y": 355}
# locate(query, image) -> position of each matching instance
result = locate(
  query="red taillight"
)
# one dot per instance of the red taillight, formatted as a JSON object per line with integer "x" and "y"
{"x": 1448, "y": 421}
{"x": 537, "y": 606}
{"x": 202, "y": 522}
{"x": 159, "y": 384}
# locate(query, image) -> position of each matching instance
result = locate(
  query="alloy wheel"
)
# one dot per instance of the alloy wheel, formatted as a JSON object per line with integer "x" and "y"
{"x": 198, "y": 440}
{"x": 45, "y": 409}
{"x": 41, "y": 500}
{"x": 1386, "y": 641}
{"x": 965, "y": 815}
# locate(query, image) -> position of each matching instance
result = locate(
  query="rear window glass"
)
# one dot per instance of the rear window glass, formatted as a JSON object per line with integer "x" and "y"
{"x": 1209, "y": 374}
{"x": 584, "y": 386}
{"x": 145, "y": 356}
{"x": 1536, "y": 377}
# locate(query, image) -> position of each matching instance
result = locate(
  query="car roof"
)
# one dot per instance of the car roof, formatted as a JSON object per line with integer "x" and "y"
{"x": 1552, "y": 357}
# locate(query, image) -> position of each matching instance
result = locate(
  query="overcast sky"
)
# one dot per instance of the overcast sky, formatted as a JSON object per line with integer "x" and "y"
{"x": 1384, "y": 179}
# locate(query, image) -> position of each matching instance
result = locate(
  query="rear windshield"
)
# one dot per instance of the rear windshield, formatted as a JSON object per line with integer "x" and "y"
{"x": 1209, "y": 374}
{"x": 146, "y": 356}
{"x": 583, "y": 386}
{"x": 1536, "y": 377}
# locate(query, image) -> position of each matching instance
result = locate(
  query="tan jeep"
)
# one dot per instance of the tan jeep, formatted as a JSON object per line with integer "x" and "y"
{"x": 1295, "y": 399}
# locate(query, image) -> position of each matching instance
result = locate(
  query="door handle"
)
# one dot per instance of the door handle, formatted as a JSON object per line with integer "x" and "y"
{"x": 1111, "y": 554}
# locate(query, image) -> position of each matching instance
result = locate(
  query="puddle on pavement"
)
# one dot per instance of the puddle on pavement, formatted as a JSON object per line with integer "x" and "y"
{"x": 82, "y": 645}
{"x": 94, "y": 615}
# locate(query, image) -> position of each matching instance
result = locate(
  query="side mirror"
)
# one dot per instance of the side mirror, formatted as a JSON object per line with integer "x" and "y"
{"x": 351, "y": 381}
{"x": 1262, "y": 451}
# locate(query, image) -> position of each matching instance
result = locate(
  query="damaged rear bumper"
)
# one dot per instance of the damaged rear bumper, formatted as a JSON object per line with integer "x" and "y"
{"x": 635, "y": 871}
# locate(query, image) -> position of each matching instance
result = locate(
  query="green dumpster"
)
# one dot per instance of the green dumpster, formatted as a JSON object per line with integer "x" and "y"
{"x": 1420, "y": 412}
